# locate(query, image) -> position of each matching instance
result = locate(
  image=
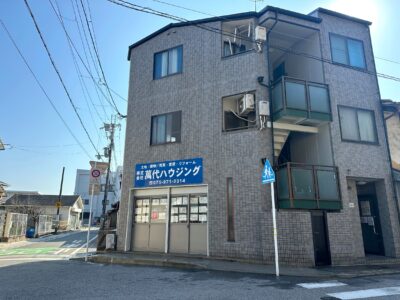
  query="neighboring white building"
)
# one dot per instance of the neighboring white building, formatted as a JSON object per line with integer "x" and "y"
{"x": 82, "y": 189}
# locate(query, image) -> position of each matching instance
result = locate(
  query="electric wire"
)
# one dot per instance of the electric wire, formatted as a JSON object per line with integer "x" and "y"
{"x": 90, "y": 54}
{"x": 98, "y": 60}
{"x": 59, "y": 75}
{"x": 78, "y": 71}
{"x": 79, "y": 56}
{"x": 275, "y": 31}
{"x": 43, "y": 90}
{"x": 148, "y": 10}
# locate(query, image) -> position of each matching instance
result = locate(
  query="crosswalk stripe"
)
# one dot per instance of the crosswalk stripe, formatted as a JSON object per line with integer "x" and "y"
{"x": 318, "y": 285}
{"x": 59, "y": 251}
{"x": 361, "y": 294}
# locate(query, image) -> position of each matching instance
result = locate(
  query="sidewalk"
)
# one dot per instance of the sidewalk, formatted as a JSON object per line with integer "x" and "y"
{"x": 163, "y": 260}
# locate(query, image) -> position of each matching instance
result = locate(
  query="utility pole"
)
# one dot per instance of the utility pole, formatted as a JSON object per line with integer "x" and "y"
{"x": 58, "y": 204}
{"x": 108, "y": 128}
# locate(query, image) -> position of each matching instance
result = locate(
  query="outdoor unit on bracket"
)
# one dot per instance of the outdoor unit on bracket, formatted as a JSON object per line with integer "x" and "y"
{"x": 263, "y": 108}
{"x": 246, "y": 104}
{"x": 260, "y": 34}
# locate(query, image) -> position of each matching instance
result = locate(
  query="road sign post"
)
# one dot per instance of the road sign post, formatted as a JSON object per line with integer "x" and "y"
{"x": 95, "y": 174}
{"x": 268, "y": 176}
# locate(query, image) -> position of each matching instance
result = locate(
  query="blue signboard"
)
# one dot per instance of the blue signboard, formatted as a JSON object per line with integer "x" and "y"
{"x": 268, "y": 174}
{"x": 174, "y": 172}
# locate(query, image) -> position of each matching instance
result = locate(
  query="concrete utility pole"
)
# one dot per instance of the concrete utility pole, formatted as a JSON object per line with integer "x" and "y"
{"x": 108, "y": 128}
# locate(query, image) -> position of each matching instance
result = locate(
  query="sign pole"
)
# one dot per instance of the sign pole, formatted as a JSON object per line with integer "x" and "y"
{"x": 275, "y": 230}
{"x": 268, "y": 176}
{"x": 90, "y": 218}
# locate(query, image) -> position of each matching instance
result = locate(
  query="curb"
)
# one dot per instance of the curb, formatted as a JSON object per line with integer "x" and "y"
{"x": 109, "y": 260}
{"x": 145, "y": 262}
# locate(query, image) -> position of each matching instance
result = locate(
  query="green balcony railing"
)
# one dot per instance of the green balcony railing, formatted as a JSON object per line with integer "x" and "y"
{"x": 294, "y": 99}
{"x": 302, "y": 186}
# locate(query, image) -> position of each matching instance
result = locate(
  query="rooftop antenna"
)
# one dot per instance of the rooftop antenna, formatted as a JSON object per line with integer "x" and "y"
{"x": 255, "y": 3}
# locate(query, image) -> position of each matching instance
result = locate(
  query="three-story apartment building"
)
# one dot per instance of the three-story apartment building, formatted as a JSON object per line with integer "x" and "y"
{"x": 210, "y": 100}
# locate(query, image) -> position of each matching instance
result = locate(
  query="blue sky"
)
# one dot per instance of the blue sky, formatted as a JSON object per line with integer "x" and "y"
{"x": 41, "y": 145}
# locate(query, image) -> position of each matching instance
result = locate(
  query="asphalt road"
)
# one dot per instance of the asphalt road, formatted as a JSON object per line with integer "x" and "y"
{"x": 55, "y": 247}
{"x": 72, "y": 279}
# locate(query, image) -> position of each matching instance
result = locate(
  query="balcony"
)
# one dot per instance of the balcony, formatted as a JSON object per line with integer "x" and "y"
{"x": 302, "y": 186}
{"x": 300, "y": 102}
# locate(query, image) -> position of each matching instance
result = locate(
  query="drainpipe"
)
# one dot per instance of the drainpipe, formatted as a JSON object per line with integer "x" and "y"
{"x": 270, "y": 81}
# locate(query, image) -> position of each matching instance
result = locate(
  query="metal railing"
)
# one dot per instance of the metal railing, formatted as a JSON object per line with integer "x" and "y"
{"x": 301, "y": 98}
{"x": 308, "y": 186}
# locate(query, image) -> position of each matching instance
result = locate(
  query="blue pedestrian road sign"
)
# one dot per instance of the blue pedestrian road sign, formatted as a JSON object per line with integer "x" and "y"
{"x": 268, "y": 174}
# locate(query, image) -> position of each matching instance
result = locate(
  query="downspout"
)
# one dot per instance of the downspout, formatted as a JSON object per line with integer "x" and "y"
{"x": 270, "y": 90}
{"x": 270, "y": 81}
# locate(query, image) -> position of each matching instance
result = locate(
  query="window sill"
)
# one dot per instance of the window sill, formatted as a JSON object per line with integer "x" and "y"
{"x": 361, "y": 142}
{"x": 364, "y": 70}
{"x": 250, "y": 128}
{"x": 163, "y": 144}
{"x": 237, "y": 54}
{"x": 167, "y": 76}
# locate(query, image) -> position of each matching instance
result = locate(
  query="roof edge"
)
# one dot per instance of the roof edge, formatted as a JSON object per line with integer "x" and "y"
{"x": 340, "y": 15}
{"x": 250, "y": 14}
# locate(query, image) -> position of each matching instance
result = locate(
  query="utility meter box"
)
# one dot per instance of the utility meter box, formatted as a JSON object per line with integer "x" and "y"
{"x": 263, "y": 108}
{"x": 260, "y": 33}
{"x": 110, "y": 241}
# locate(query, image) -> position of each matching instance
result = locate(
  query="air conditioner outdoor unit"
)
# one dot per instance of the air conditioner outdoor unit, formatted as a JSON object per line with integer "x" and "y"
{"x": 246, "y": 104}
{"x": 260, "y": 33}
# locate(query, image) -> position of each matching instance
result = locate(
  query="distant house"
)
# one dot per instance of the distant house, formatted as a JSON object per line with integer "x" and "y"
{"x": 70, "y": 210}
{"x": 391, "y": 110}
{"x": 113, "y": 196}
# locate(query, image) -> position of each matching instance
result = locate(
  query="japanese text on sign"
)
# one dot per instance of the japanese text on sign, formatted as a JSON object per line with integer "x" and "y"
{"x": 177, "y": 172}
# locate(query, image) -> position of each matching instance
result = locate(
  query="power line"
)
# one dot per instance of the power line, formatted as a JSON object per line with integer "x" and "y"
{"x": 148, "y": 10}
{"x": 98, "y": 59}
{"x": 43, "y": 90}
{"x": 59, "y": 75}
{"x": 275, "y": 31}
{"x": 185, "y": 8}
{"x": 80, "y": 58}
{"x": 118, "y": 95}
{"x": 81, "y": 81}
{"x": 90, "y": 53}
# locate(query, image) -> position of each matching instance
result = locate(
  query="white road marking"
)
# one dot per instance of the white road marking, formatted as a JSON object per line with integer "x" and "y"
{"x": 361, "y": 294}
{"x": 31, "y": 258}
{"x": 58, "y": 252}
{"x": 319, "y": 285}
{"x": 84, "y": 245}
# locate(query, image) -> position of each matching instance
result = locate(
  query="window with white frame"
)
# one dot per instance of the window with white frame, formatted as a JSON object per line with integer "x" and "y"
{"x": 347, "y": 51}
{"x": 357, "y": 125}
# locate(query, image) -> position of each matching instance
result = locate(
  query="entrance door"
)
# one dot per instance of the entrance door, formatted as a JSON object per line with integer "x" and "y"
{"x": 370, "y": 225}
{"x": 320, "y": 238}
{"x": 188, "y": 224}
{"x": 149, "y": 227}
{"x": 198, "y": 225}
{"x": 157, "y": 224}
{"x": 179, "y": 225}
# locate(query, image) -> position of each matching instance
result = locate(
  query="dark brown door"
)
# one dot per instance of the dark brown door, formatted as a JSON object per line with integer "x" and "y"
{"x": 320, "y": 238}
